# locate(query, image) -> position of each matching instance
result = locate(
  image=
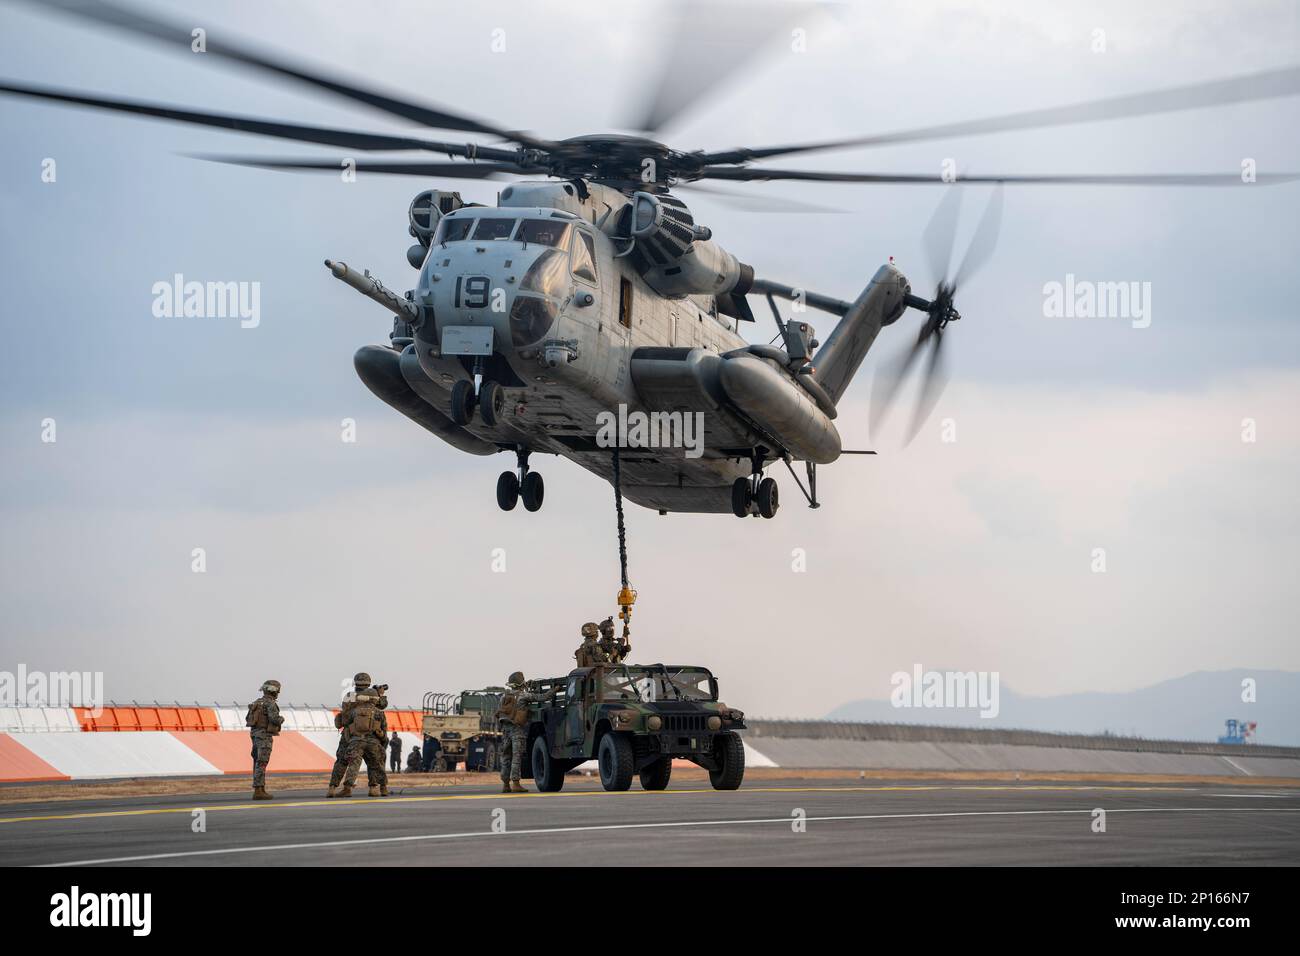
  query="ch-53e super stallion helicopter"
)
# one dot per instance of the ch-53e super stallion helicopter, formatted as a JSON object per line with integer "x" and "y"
{"x": 594, "y": 291}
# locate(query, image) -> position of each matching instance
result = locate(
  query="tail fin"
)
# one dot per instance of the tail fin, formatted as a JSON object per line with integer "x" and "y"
{"x": 880, "y": 303}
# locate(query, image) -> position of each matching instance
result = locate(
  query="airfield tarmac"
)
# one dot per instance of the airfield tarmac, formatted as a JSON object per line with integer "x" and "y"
{"x": 845, "y": 821}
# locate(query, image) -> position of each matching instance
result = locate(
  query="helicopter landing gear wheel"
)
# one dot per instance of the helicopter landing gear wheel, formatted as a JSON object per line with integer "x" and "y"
{"x": 767, "y": 498}
{"x": 532, "y": 489}
{"x": 740, "y": 498}
{"x": 462, "y": 402}
{"x": 507, "y": 490}
{"x": 491, "y": 402}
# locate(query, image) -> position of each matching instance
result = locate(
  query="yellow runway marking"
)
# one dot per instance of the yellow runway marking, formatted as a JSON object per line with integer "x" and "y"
{"x": 388, "y": 801}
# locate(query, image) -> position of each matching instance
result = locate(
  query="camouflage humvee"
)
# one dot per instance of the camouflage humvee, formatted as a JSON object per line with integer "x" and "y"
{"x": 633, "y": 719}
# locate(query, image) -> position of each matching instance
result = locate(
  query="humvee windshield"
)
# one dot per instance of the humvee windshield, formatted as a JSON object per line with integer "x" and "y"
{"x": 650, "y": 684}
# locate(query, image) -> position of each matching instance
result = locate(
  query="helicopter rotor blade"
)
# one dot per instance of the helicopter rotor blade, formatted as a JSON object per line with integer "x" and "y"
{"x": 889, "y": 379}
{"x": 756, "y": 203}
{"x": 940, "y": 233}
{"x": 323, "y": 135}
{"x": 179, "y": 37}
{"x": 982, "y": 243}
{"x": 704, "y": 46}
{"x": 444, "y": 170}
{"x": 1238, "y": 89}
{"x": 934, "y": 380}
{"x": 757, "y": 174}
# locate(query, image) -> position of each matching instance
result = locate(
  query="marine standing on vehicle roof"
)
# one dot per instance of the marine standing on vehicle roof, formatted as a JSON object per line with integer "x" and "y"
{"x": 367, "y": 727}
{"x": 263, "y": 720}
{"x": 512, "y": 719}
{"x": 616, "y": 651}
{"x": 589, "y": 652}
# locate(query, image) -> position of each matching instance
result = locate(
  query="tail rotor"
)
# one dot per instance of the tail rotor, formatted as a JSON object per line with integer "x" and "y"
{"x": 939, "y": 311}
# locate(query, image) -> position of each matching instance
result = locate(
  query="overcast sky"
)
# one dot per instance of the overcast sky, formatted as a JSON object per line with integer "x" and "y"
{"x": 325, "y": 557}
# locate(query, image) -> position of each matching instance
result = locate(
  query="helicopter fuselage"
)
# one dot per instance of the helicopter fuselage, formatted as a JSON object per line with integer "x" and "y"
{"x": 540, "y": 295}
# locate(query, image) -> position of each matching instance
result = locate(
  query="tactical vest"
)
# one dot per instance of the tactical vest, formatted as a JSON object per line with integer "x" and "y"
{"x": 256, "y": 718}
{"x": 364, "y": 717}
{"x": 514, "y": 711}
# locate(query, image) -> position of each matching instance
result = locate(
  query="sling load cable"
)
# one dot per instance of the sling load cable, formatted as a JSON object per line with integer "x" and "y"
{"x": 627, "y": 594}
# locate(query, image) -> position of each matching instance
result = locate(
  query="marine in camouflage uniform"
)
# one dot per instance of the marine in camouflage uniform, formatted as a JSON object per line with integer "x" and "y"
{"x": 514, "y": 739}
{"x": 589, "y": 652}
{"x": 264, "y": 722}
{"x": 341, "y": 752}
{"x": 615, "y": 650}
{"x": 367, "y": 726}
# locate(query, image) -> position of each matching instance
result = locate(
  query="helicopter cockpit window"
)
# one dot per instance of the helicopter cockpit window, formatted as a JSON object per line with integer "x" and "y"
{"x": 547, "y": 275}
{"x": 547, "y": 232}
{"x": 494, "y": 228}
{"x": 453, "y": 230}
{"x": 584, "y": 257}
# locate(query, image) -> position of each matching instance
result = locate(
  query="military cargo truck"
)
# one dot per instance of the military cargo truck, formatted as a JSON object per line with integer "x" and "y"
{"x": 464, "y": 726}
{"x": 633, "y": 719}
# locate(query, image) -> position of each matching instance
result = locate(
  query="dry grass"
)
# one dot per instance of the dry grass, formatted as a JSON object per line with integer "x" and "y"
{"x": 420, "y": 783}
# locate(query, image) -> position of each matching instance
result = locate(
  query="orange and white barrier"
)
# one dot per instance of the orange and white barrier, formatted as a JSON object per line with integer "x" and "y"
{"x": 56, "y": 743}
{"x": 53, "y": 743}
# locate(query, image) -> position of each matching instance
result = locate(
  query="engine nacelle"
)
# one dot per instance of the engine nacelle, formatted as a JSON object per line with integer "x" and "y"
{"x": 674, "y": 255}
{"x": 705, "y": 269}
{"x": 662, "y": 226}
{"x": 425, "y": 211}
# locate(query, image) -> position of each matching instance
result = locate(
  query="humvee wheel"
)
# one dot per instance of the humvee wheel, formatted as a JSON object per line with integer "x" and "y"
{"x": 730, "y": 755}
{"x": 655, "y": 776}
{"x": 615, "y": 760}
{"x": 547, "y": 771}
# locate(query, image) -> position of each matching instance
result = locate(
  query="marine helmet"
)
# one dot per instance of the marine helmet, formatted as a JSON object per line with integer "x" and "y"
{"x": 271, "y": 687}
{"x": 607, "y": 627}
{"x": 361, "y": 680}
{"x": 515, "y": 679}
{"x": 589, "y": 630}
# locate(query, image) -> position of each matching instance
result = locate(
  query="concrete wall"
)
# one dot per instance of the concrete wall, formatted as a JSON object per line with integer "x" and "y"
{"x": 861, "y": 746}
{"x": 848, "y": 730}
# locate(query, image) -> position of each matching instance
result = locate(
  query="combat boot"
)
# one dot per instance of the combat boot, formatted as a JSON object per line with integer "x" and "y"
{"x": 505, "y": 786}
{"x": 331, "y": 793}
{"x": 517, "y": 787}
{"x": 383, "y": 789}
{"x": 374, "y": 791}
{"x": 345, "y": 792}
{"x": 259, "y": 793}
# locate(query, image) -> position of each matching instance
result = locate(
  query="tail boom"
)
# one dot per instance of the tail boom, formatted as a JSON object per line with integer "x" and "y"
{"x": 881, "y": 303}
